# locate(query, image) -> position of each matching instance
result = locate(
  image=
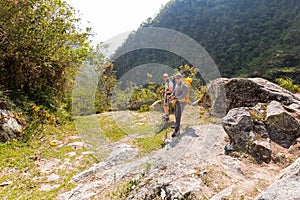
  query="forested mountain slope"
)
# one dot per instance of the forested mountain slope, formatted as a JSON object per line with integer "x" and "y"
{"x": 244, "y": 37}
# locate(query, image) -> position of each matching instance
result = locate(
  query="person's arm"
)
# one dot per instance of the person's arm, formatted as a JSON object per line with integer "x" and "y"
{"x": 171, "y": 86}
{"x": 183, "y": 93}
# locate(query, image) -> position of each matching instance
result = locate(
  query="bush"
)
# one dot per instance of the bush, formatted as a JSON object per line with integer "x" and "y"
{"x": 288, "y": 84}
{"x": 40, "y": 49}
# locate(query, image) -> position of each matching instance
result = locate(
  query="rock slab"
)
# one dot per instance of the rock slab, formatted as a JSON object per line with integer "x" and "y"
{"x": 10, "y": 126}
{"x": 283, "y": 128}
{"x": 246, "y": 92}
{"x": 287, "y": 187}
{"x": 238, "y": 124}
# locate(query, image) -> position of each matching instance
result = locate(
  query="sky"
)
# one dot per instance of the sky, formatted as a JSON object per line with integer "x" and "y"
{"x": 109, "y": 18}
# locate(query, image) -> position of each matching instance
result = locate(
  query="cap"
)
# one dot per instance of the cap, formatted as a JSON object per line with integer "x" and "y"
{"x": 166, "y": 75}
{"x": 178, "y": 76}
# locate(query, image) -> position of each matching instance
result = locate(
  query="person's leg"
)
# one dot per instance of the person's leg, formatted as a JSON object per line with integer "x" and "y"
{"x": 165, "y": 104}
{"x": 166, "y": 110}
{"x": 182, "y": 105}
{"x": 177, "y": 116}
{"x": 178, "y": 113}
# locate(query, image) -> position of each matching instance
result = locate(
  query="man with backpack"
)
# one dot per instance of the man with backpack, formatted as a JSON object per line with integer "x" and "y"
{"x": 180, "y": 97}
{"x": 167, "y": 92}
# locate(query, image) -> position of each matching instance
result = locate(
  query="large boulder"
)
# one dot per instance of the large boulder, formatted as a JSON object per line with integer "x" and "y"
{"x": 261, "y": 151}
{"x": 215, "y": 98}
{"x": 283, "y": 128}
{"x": 10, "y": 125}
{"x": 246, "y": 92}
{"x": 241, "y": 129}
{"x": 251, "y": 128}
{"x": 239, "y": 125}
{"x": 287, "y": 187}
{"x": 258, "y": 115}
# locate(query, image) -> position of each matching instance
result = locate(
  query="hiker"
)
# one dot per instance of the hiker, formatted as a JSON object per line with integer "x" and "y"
{"x": 179, "y": 96}
{"x": 167, "y": 92}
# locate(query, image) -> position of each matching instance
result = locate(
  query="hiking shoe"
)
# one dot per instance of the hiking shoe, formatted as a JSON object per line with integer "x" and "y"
{"x": 173, "y": 125}
{"x": 175, "y": 133}
{"x": 165, "y": 117}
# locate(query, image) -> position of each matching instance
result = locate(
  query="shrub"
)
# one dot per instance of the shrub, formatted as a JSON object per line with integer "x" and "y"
{"x": 288, "y": 84}
{"x": 41, "y": 48}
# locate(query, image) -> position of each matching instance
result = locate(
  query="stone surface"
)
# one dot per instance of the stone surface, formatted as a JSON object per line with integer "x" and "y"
{"x": 82, "y": 175}
{"x": 261, "y": 150}
{"x": 71, "y": 154}
{"x": 171, "y": 171}
{"x": 192, "y": 166}
{"x": 295, "y": 107}
{"x": 48, "y": 188}
{"x": 157, "y": 106}
{"x": 76, "y": 144}
{"x": 87, "y": 152}
{"x": 226, "y": 193}
{"x": 215, "y": 98}
{"x": 283, "y": 128}
{"x": 6, "y": 183}
{"x": 246, "y": 126}
{"x": 10, "y": 126}
{"x": 46, "y": 166}
{"x": 260, "y": 128}
{"x": 238, "y": 125}
{"x": 246, "y": 92}
{"x": 295, "y": 149}
{"x": 53, "y": 177}
{"x": 287, "y": 187}
{"x": 122, "y": 153}
{"x": 295, "y": 166}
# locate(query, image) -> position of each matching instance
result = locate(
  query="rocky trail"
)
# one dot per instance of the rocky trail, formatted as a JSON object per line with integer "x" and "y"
{"x": 192, "y": 166}
{"x": 250, "y": 151}
{"x": 195, "y": 165}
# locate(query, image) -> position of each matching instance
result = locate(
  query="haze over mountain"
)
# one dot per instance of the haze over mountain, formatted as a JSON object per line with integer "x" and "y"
{"x": 246, "y": 38}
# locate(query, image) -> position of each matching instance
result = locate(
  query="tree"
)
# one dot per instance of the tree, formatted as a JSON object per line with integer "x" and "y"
{"x": 241, "y": 36}
{"x": 41, "y": 48}
{"x": 106, "y": 83}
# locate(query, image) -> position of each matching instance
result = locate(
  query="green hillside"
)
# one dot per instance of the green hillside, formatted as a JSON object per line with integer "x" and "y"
{"x": 244, "y": 37}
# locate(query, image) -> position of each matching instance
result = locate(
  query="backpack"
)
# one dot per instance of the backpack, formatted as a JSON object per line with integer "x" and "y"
{"x": 188, "y": 82}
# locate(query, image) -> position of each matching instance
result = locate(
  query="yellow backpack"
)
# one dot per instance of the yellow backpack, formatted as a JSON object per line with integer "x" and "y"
{"x": 188, "y": 82}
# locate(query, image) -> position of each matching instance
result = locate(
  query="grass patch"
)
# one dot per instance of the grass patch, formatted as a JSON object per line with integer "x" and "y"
{"x": 19, "y": 164}
{"x": 110, "y": 128}
{"x": 150, "y": 143}
{"x": 15, "y": 154}
{"x": 94, "y": 126}
{"x": 20, "y": 161}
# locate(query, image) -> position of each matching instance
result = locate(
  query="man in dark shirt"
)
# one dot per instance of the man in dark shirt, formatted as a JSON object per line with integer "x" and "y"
{"x": 179, "y": 95}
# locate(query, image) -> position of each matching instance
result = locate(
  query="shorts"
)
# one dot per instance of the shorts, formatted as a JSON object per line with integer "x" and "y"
{"x": 166, "y": 100}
